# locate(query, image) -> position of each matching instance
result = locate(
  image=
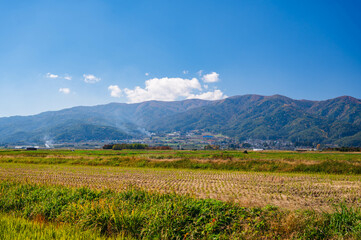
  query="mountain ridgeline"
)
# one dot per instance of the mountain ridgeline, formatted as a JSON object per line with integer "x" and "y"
{"x": 335, "y": 121}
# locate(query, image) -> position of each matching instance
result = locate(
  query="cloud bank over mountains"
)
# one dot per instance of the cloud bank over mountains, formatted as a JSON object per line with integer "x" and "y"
{"x": 171, "y": 89}
{"x": 215, "y": 95}
{"x": 164, "y": 89}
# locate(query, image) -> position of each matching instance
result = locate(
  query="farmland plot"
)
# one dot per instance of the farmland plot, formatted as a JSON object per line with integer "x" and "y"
{"x": 290, "y": 191}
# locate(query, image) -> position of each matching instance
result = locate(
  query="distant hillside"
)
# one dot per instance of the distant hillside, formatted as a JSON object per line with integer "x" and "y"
{"x": 118, "y": 121}
{"x": 274, "y": 117}
{"x": 335, "y": 121}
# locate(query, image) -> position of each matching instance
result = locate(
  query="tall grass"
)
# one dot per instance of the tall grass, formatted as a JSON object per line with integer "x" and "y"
{"x": 142, "y": 215}
{"x": 17, "y": 228}
{"x": 325, "y": 166}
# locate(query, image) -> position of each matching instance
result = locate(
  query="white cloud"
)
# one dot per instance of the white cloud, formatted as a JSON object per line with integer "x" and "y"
{"x": 215, "y": 95}
{"x": 90, "y": 78}
{"x": 200, "y": 73}
{"x": 146, "y": 74}
{"x": 54, "y": 76}
{"x": 64, "y": 90}
{"x": 185, "y": 71}
{"x": 50, "y": 75}
{"x": 115, "y": 91}
{"x": 164, "y": 89}
{"x": 211, "y": 77}
{"x": 67, "y": 77}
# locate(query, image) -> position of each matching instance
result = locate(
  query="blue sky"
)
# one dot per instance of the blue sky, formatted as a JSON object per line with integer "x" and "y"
{"x": 58, "y": 54}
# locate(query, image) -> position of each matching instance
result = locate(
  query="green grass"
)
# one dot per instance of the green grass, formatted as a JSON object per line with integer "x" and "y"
{"x": 201, "y": 154}
{"x": 280, "y": 161}
{"x": 142, "y": 215}
{"x": 17, "y": 228}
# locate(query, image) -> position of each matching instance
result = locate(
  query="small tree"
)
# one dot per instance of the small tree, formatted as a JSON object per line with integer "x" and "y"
{"x": 117, "y": 147}
{"x": 108, "y": 146}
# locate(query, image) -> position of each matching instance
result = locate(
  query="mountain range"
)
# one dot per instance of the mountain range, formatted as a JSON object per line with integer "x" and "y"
{"x": 335, "y": 121}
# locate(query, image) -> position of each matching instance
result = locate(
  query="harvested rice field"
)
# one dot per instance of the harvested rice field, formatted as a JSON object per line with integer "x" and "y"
{"x": 126, "y": 192}
{"x": 291, "y": 191}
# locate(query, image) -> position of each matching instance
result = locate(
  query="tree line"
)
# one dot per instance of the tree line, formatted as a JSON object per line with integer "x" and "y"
{"x": 134, "y": 146}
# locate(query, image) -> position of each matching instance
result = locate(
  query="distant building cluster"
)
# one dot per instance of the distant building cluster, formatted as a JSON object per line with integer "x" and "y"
{"x": 190, "y": 140}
